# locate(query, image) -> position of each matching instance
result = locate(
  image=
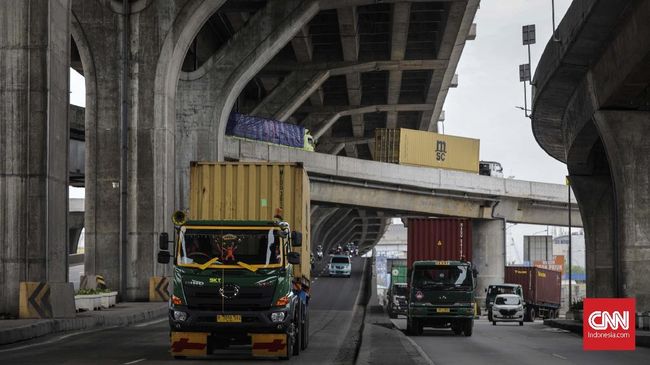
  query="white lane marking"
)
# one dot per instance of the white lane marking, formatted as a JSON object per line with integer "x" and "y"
{"x": 560, "y": 356}
{"x": 57, "y": 339}
{"x": 134, "y": 361}
{"x": 150, "y": 323}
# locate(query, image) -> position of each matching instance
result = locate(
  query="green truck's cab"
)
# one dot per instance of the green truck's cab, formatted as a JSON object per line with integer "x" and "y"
{"x": 441, "y": 294}
{"x": 233, "y": 285}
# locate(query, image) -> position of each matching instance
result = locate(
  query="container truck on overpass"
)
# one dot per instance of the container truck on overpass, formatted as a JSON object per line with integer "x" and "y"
{"x": 241, "y": 267}
{"x": 442, "y": 280}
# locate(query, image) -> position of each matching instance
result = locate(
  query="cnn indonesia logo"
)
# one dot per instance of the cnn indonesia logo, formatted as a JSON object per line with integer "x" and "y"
{"x": 609, "y": 324}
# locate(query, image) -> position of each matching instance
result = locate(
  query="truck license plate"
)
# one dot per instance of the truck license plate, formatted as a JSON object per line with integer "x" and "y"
{"x": 442, "y": 310}
{"x": 228, "y": 318}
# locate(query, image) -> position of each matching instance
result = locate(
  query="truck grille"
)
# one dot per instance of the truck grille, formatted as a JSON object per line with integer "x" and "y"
{"x": 246, "y": 299}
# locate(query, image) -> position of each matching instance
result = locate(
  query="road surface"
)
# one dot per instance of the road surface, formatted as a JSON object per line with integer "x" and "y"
{"x": 331, "y": 311}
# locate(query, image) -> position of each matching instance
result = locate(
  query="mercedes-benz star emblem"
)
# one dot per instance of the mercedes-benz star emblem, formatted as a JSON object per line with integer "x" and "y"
{"x": 229, "y": 291}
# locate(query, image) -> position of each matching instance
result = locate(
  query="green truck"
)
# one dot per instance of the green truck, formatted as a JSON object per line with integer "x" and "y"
{"x": 441, "y": 295}
{"x": 240, "y": 281}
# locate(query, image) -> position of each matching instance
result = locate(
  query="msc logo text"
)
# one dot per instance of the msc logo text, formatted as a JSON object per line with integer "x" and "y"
{"x": 441, "y": 150}
{"x": 602, "y": 320}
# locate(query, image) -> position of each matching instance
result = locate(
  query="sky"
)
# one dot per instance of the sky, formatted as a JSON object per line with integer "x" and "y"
{"x": 483, "y": 104}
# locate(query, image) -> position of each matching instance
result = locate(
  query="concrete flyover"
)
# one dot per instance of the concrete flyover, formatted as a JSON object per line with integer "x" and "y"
{"x": 344, "y": 181}
{"x": 161, "y": 78}
{"x": 591, "y": 111}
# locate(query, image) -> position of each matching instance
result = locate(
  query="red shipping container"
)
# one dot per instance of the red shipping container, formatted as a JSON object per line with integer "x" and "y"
{"x": 438, "y": 239}
{"x": 541, "y": 286}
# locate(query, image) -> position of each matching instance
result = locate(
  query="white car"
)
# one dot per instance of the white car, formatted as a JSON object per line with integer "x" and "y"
{"x": 508, "y": 308}
{"x": 340, "y": 265}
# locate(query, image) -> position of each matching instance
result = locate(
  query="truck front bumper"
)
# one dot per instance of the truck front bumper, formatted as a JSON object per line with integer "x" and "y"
{"x": 249, "y": 321}
{"x": 438, "y": 315}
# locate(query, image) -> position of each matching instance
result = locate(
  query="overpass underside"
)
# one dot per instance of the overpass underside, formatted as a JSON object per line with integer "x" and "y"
{"x": 161, "y": 80}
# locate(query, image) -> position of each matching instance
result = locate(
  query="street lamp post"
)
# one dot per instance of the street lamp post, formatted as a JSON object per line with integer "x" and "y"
{"x": 568, "y": 184}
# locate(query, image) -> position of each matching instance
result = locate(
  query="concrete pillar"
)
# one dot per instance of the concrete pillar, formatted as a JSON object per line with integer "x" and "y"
{"x": 595, "y": 196}
{"x": 625, "y": 137}
{"x": 126, "y": 266}
{"x": 34, "y": 63}
{"x": 488, "y": 253}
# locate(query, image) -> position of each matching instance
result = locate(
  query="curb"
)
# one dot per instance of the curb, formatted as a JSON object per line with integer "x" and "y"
{"x": 50, "y": 326}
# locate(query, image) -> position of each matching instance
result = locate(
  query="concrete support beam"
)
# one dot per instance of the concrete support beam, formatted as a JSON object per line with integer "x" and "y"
{"x": 327, "y": 124}
{"x": 345, "y": 67}
{"x": 488, "y": 253}
{"x": 35, "y": 59}
{"x": 351, "y": 150}
{"x": 348, "y": 25}
{"x": 459, "y": 23}
{"x": 302, "y": 47}
{"x": 290, "y": 94}
{"x": 624, "y": 135}
{"x": 401, "y": 20}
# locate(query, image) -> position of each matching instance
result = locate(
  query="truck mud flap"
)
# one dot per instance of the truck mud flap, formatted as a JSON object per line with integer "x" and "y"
{"x": 269, "y": 344}
{"x": 189, "y": 344}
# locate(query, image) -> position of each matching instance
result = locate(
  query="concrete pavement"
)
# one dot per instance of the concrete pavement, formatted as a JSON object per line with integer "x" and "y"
{"x": 506, "y": 343}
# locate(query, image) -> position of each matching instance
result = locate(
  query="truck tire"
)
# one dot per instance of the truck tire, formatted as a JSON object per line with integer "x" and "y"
{"x": 489, "y": 315}
{"x": 304, "y": 341}
{"x": 532, "y": 315}
{"x": 297, "y": 320}
{"x": 457, "y": 328}
{"x": 413, "y": 327}
{"x": 468, "y": 328}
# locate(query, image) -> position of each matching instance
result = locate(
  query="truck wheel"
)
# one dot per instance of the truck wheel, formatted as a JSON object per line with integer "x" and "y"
{"x": 291, "y": 337}
{"x": 494, "y": 323}
{"x": 532, "y": 314}
{"x": 469, "y": 328}
{"x": 413, "y": 328}
{"x": 297, "y": 344}
{"x": 490, "y": 315}
{"x": 458, "y": 330}
{"x": 305, "y": 329}
{"x": 521, "y": 323}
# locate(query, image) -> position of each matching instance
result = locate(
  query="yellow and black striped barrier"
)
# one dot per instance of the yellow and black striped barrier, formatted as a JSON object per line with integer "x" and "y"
{"x": 158, "y": 289}
{"x": 34, "y": 300}
{"x": 92, "y": 282}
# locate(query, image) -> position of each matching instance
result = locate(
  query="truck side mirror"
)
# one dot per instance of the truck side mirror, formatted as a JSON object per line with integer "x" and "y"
{"x": 293, "y": 258}
{"x": 296, "y": 239}
{"x": 485, "y": 290}
{"x": 163, "y": 241}
{"x": 163, "y": 257}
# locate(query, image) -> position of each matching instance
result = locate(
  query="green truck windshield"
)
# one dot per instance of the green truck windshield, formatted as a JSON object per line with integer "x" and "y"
{"x": 442, "y": 276}
{"x": 253, "y": 247}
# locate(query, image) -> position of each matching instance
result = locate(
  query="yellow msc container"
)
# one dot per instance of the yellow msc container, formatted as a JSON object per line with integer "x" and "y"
{"x": 412, "y": 147}
{"x": 253, "y": 191}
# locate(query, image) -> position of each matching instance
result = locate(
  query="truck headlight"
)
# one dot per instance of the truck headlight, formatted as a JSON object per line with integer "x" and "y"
{"x": 277, "y": 317}
{"x": 180, "y": 316}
